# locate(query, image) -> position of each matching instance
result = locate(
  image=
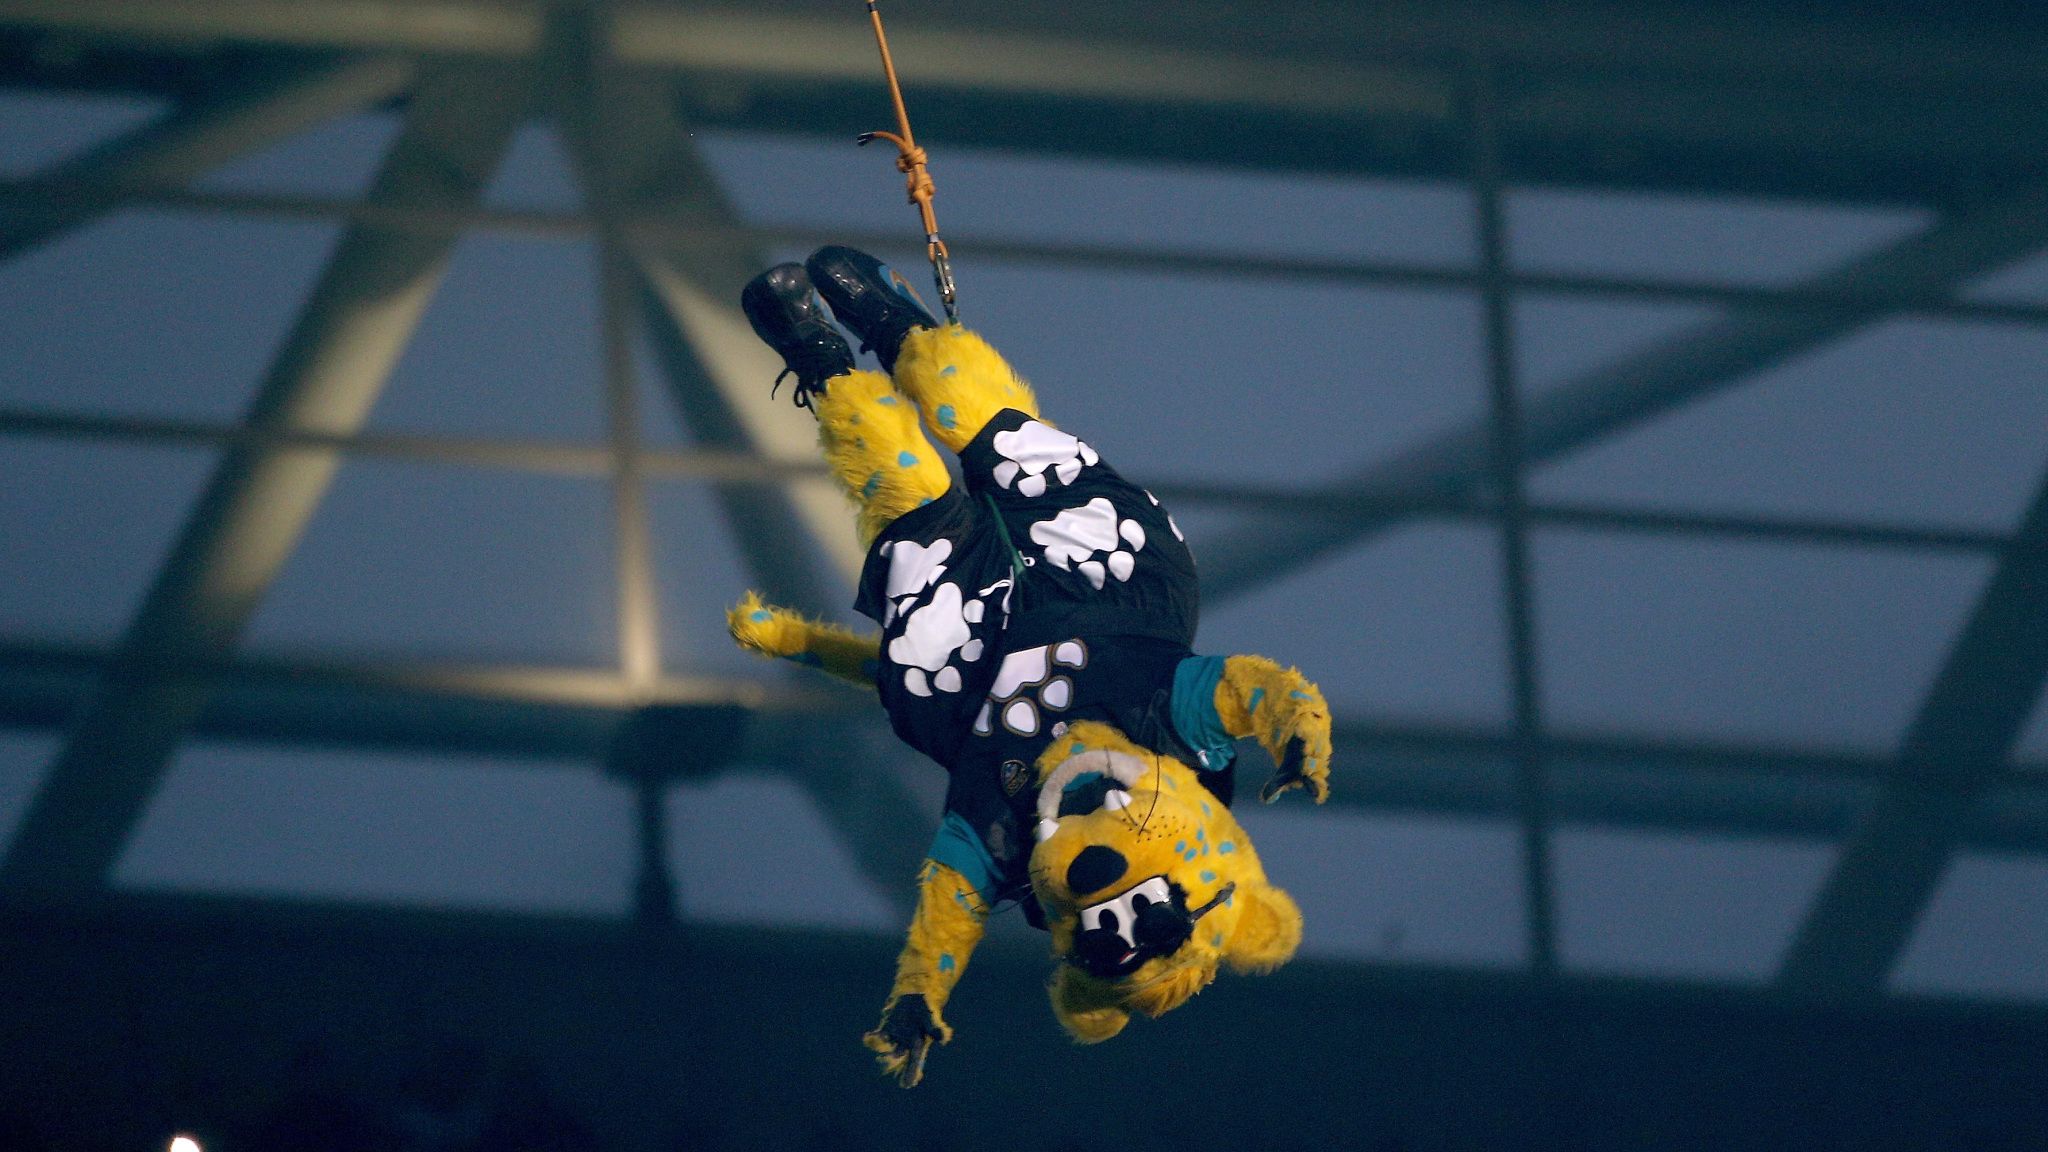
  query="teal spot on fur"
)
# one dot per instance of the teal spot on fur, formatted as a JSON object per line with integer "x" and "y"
{"x": 1201, "y": 834}
{"x": 1216, "y": 941}
{"x": 947, "y": 418}
{"x": 1077, "y": 749}
{"x": 1181, "y": 847}
{"x": 886, "y": 401}
{"x": 1205, "y": 810}
{"x": 1296, "y": 694}
{"x": 1258, "y": 694}
{"x": 923, "y": 502}
{"x": 906, "y": 459}
{"x": 868, "y": 489}
{"x": 1189, "y": 855}
{"x": 946, "y": 962}
{"x": 761, "y": 616}
{"x": 1208, "y": 877}
{"x": 948, "y": 370}
{"x": 1226, "y": 848}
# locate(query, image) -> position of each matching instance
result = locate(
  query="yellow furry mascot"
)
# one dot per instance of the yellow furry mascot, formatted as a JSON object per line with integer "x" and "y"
{"x": 1036, "y": 630}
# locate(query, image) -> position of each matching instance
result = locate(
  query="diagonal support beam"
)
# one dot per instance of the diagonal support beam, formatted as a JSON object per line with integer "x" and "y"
{"x": 1639, "y": 388}
{"x": 796, "y": 538}
{"x": 190, "y": 141}
{"x": 326, "y": 377}
{"x": 1958, "y": 748}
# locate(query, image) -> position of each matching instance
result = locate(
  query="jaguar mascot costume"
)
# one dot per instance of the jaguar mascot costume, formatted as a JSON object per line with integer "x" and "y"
{"x": 1036, "y": 625}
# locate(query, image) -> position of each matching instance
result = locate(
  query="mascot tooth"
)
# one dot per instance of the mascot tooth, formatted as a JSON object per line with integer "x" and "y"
{"x": 1090, "y": 752}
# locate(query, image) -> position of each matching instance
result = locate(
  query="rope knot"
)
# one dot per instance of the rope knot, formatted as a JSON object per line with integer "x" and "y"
{"x": 910, "y": 158}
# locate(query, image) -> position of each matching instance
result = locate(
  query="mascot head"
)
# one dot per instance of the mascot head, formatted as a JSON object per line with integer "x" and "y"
{"x": 1148, "y": 884}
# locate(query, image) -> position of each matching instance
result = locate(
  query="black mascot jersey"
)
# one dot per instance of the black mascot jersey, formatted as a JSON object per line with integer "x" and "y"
{"x": 1050, "y": 590}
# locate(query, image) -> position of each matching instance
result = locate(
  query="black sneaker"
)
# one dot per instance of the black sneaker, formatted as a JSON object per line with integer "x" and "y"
{"x": 869, "y": 298}
{"x": 789, "y": 317}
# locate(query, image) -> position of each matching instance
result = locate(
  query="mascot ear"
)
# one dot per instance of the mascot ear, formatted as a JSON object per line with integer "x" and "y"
{"x": 1268, "y": 930}
{"x": 1082, "y": 1009}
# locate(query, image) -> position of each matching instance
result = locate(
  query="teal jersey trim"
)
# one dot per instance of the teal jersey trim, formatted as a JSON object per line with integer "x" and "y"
{"x": 1194, "y": 711}
{"x": 957, "y": 847}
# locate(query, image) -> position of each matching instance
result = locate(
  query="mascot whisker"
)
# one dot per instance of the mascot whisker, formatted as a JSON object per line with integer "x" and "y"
{"x": 1036, "y": 631}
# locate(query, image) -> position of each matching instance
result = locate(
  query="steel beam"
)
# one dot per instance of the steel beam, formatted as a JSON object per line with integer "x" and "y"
{"x": 1957, "y": 749}
{"x": 325, "y": 378}
{"x": 190, "y": 141}
{"x": 1634, "y": 390}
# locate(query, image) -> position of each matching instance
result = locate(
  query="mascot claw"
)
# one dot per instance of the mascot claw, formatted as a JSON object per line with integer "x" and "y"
{"x": 904, "y": 1038}
{"x": 1298, "y": 770}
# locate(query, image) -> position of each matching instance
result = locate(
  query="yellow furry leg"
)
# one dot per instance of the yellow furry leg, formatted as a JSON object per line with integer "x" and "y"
{"x": 1283, "y": 711}
{"x": 871, "y": 440}
{"x": 959, "y": 382}
{"x": 944, "y": 930}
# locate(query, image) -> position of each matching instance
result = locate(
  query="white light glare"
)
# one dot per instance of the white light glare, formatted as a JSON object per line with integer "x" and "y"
{"x": 184, "y": 1144}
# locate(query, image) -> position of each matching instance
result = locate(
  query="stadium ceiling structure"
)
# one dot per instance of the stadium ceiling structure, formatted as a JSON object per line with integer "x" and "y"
{"x": 1830, "y": 103}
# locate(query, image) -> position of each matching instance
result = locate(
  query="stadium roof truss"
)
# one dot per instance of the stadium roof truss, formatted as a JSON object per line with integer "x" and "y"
{"x": 1840, "y": 103}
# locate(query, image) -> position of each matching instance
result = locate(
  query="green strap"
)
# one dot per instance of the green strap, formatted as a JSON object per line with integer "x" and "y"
{"x": 1016, "y": 558}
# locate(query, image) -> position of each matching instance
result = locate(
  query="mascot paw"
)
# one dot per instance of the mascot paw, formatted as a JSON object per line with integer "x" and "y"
{"x": 769, "y": 631}
{"x": 904, "y": 1038}
{"x": 1300, "y": 767}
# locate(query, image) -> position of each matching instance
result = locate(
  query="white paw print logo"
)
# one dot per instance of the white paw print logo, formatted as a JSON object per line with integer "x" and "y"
{"x": 1031, "y": 449}
{"x": 1072, "y": 538}
{"x": 1028, "y": 681}
{"x": 940, "y": 628}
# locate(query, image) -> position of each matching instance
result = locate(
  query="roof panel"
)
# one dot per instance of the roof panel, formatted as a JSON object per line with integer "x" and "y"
{"x": 1739, "y": 641}
{"x": 1397, "y": 889}
{"x": 1404, "y": 627}
{"x": 699, "y": 573}
{"x": 536, "y": 173}
{"x": 1222, "y": 380}
{"x": 1647, "y": 904}
{"x": 1767, "y": 243}
{"x": 509, "y": 347}
{"x": 1558, "y": 338}
{"x": 336, "y": 157}
{"x": 1913, "y": 421}
{"x": 378, "y": 827}
{"x": 24, "y": 761}
{"x": 2024, "y": 282}
{"x": 812, "y": 182}
{"x": 417, "y": 560}
{"x": 154, "y": 313}
{"x": 1985, "y": 933}
{"x": 85, "y": 527}
{"x": 40, "y": 129}
{"x": 718, "y": 830}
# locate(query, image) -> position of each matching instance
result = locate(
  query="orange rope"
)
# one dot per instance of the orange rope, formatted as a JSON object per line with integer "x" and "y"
{"x": 911, "y": 161}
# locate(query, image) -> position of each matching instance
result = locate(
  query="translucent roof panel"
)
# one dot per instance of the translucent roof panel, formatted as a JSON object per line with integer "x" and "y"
{"x": 24, "y": 762}
{"x": 1651, "y": 237}
{"x": 536, "y": 173}
{"x": 1731, "y": 641}
{"x": 1406, "y": 626}
{"x": 1301, "y": 383}
{"x": 417, "y": 560}
{"x": 1649, "y": 904}
{"x": 384, "y": 828}
{"x": 814, "y": 182}
{"x": 716, "y": 833}
{"x": 338, "y": 157}
{"x": 1397, "y": 889}
{"x": 1913, "y": 421}
{"x": 1559, "y": 339}
{"x": 39, "y": 129}
{"x": 154, "y": 313}
{"x": 2023, "y": 282}
{"x": 85, "y": 527}
{"x": 509, "y": 347}
{"x": 2033, "y": 742}
{"x": 1985, "y": 934}
{"x": 699, "y": 573}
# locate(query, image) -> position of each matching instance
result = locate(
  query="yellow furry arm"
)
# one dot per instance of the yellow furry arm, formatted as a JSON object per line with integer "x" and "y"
{"x": 772, "y": 631}
{"x": 1286, "y": 714}
{"x": 948, "y": 923}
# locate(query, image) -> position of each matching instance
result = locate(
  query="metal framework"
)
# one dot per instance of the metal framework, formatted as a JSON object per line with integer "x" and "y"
{"x": 1855, "y": 105}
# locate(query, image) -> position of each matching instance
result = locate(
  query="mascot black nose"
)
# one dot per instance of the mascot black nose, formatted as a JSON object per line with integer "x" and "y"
{"x": 1096, "y": 868}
